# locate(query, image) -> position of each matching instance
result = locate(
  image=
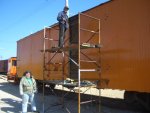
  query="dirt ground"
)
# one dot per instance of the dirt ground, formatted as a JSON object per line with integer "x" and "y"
{"x": 10, "y": 101}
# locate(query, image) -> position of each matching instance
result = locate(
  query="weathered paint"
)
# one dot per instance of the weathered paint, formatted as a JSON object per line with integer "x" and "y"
{"x": 125, "y": 56}
{"x": 31, "y": 58}
{"x": 125, "y": 36}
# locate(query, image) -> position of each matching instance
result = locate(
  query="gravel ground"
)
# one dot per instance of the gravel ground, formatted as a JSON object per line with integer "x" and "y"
{"x": 10, "y": 101}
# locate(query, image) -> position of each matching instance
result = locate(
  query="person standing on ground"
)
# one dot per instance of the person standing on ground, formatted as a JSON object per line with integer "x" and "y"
{"x": 27, "y": 89}
{"x": 63, "y": 25}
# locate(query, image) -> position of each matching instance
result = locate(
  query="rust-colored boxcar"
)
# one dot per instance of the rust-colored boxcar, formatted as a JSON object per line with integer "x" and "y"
{"x": 8, "y": 67}
{"x": 124, "y": 35}
{"x": 31, "y": 57}
{"x": 3, "y": 66}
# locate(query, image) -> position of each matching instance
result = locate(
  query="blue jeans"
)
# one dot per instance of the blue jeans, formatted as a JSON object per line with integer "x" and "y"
{"x": 62, "y": 30}
{"x": 25, "y": 100}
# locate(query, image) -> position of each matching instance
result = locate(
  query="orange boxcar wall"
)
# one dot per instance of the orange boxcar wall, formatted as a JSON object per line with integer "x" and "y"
{"x": 30, "y": 56}
{"x": 24, "y": 56}
{"x": 125, "y": 36}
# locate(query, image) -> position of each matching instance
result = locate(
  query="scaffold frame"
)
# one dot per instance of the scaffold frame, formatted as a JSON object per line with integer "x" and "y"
{"x": 79, "y": 47}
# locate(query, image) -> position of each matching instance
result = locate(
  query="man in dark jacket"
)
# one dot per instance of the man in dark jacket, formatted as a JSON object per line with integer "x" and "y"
{"x": 63, "y": 25}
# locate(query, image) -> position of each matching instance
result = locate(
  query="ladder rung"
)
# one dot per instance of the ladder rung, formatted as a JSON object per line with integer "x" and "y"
{"x": 92, "y": 70}
{"x": 87, "y": 61}
{"x": 54, "y": 63}
{"x": 51, "y": 39}
{"x": 89, "y": 30}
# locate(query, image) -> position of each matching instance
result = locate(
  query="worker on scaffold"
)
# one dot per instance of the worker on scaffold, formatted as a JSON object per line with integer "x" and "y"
{"x": 63, "y": 25}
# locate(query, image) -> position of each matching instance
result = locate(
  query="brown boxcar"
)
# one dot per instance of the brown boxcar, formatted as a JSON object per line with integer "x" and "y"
{"x": 125, "y": 56}
{"x": 30, "y": 55}
{"x": 3, "y": 66}
{"x": 8, "y": 67}
{"x": 125, "y": 39}
{"x": 125, "y": 36}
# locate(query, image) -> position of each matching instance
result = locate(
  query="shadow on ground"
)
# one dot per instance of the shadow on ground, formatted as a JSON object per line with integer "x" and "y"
{"x": 12, "y": 103}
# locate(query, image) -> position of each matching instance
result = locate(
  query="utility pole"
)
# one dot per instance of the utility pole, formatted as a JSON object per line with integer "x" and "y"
{"x": 67, "y": 4}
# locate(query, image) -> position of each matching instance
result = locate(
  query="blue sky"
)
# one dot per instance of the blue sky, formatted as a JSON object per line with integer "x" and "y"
{"x": 20, "y": 18}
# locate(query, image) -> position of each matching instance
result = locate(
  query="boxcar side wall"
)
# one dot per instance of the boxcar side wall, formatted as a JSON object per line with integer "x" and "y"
{"x": 125, "y": 36}
{"x": 3, "y": 66}
{"x": 125, "y": 56}
{"x": 30, "y": 55}
{"x": 23, "y": 56}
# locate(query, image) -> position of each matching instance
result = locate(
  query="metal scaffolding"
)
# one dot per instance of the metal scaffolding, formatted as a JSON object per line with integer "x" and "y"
{"x": 93, "y": 46}
{"x": 81, "y": 45}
